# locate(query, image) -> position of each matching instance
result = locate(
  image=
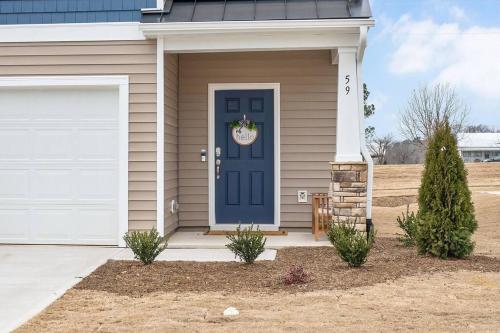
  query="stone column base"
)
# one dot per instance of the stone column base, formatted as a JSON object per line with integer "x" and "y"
{"x": 348, "y": 190}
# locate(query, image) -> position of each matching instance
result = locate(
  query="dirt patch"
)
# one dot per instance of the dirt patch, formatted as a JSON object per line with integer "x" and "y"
{"x": 394, "y": 200}
{"x": 388, "y": 261}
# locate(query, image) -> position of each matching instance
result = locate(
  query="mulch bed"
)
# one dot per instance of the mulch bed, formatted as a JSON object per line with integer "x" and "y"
{"x": 388, "y": 261}
{"x": 394, "y": 201}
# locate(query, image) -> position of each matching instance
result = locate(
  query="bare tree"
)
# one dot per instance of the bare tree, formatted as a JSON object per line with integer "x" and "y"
{"x": 428, "y": 107}
{"x": 379, "y": 147}
{"x": 403, "y": 151}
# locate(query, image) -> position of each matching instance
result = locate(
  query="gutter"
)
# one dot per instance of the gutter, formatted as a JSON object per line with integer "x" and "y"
{"x": 364, "y": 150}
{"x": 173, "y": 28}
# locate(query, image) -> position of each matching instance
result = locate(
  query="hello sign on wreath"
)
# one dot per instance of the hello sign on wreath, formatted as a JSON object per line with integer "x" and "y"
{"x": 244, "y": 131}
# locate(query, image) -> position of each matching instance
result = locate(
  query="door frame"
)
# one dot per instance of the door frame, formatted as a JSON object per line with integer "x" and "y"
{"x": 122, "y": 83}
{"x": 212, "y": 88}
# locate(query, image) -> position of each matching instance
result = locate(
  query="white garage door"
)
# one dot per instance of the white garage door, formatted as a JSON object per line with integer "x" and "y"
{"x": 59, "y": 165}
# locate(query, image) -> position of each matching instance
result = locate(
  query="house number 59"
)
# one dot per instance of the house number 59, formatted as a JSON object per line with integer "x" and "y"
{"x": 347, "y": 86}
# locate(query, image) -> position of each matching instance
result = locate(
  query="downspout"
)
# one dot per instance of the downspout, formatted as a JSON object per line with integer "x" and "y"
{"x": 364, "y": 150}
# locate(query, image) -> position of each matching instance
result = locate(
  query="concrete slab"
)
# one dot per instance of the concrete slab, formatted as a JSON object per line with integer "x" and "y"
{"x": 196, "y": 254}
{"x": 197, "y": 240}
{"x": 32, "y": 277}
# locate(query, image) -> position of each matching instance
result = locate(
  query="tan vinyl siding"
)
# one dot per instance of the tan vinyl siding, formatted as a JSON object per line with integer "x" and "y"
{"x": 308, "y": 120}
{"x": 171, "y": 139}
{"x": 137, "y": 59}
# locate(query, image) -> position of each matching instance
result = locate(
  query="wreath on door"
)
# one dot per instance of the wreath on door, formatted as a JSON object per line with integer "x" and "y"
{"x": 239, "y": 124}
{"x": 244, "y": 131}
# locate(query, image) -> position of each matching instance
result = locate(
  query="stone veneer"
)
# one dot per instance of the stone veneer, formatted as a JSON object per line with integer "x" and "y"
{"x": 348, "y": 191}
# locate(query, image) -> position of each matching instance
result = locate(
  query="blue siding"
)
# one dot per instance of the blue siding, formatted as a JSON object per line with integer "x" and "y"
{"x": 71, "y": 11}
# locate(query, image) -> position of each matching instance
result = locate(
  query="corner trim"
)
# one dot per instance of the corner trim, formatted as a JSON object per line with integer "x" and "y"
{"x": 212, "y": 87}
{"x": 160, "y": 138}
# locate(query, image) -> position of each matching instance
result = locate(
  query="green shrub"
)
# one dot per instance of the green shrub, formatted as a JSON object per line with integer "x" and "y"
{"x": 247, "y": 244}
{"x": 146, "y": 245}
{"x": 446, "y": 218}
{"x": 408, "y": 223}
{"x": 351, "y": 245}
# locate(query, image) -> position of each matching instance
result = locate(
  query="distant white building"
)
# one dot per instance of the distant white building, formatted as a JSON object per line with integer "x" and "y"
{"x": 476, "y": 147}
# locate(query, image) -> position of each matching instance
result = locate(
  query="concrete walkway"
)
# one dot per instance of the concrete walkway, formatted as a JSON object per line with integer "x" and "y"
{"x": 198, "y": 240}
{"x": 196, "y": 254}
{"x": 32, "y": 277}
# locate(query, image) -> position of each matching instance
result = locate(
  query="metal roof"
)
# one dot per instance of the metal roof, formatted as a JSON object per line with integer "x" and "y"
{"x": 478, "y": 140}
{"x": 257, "y": 10}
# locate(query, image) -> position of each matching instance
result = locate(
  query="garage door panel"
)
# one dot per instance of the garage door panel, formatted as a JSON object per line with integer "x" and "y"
{"x": 59, "y": 165}
{"x": 55, "y": 184}
{"x": 52, "y": 225}
{"x": 97, "y": 185}
{"x": 15, "y": 184}
{"x": 13, "y": 226}
{"x": 93, "y": 225}
{"x": 53, "y": 144}
{"x": 15, "y": 144}
{"x": 97, "y": 144}
{"x": 106, "y": 108}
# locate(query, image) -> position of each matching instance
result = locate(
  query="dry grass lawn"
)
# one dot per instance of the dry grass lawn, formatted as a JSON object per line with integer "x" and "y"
{"x": 453, "y": 301}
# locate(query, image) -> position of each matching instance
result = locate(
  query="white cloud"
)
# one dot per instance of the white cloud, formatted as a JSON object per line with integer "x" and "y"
{"x": 477, "y": 66}
{"x": 468, "y": 58}
{"x": 457, "y": 13}
{"x": 378, "y": 99}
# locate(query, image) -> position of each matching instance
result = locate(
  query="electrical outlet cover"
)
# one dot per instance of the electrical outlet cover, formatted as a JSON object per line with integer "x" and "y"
{"x": 302, "y": 196}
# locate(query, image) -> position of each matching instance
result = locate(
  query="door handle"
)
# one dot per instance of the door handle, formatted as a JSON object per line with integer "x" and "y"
{"x": 217, "y": 168}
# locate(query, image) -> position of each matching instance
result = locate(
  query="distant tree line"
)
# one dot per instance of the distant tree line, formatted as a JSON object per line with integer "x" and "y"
{"x": 427, "y": 108}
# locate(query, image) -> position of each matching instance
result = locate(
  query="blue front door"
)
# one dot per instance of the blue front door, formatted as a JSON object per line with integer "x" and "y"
{"x": 244, "y": 184}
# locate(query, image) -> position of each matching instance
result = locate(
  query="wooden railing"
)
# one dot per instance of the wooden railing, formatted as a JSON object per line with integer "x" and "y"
{"x": 322, "y": 212}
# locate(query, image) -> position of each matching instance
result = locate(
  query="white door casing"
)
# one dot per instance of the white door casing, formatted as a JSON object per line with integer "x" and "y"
{"x": 212, "y": 88}
{"x": 64, "y": 160}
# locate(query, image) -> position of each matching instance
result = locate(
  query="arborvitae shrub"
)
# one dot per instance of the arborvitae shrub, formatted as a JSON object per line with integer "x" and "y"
{"x": 446, "y": 214}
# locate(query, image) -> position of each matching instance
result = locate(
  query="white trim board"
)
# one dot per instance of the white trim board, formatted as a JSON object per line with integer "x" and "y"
{"x": 70, "y": 32}
{"x": 120, "y": 81}
{"x": 160, "y": 138}
{"x": 170, "y": 28}
{"x": 212, "y": 88}
{"x": 236, "y": 36}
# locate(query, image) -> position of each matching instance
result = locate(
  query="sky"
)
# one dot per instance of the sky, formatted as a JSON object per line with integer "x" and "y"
{"x": 425, "y": 42}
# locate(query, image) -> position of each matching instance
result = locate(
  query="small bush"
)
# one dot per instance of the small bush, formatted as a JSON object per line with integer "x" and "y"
{"x": 295, "y": 275}
{"x": 247, "y": 244}
{"x": 408, "y": 223}
{"x": 351, "y": 245}
{"x": 146, "y": 245}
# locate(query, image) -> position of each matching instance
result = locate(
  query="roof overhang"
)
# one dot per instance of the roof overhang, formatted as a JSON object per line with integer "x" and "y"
{"x": 258, "y": 35}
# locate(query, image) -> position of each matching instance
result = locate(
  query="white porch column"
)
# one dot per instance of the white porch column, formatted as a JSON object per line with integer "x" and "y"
{"x": 348, "y": 141}
{"x": 160, "y": 136}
